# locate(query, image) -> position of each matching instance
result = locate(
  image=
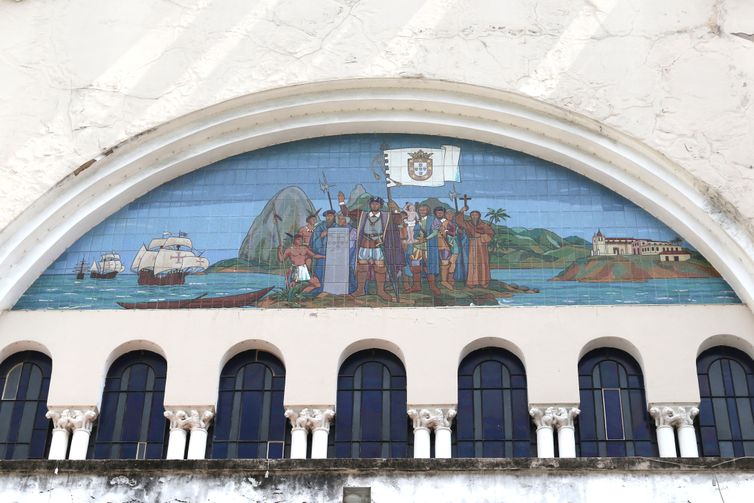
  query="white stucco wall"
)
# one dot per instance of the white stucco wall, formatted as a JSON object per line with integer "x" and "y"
{"x": 80, "y": 77}
{"x": 312, "y": 344}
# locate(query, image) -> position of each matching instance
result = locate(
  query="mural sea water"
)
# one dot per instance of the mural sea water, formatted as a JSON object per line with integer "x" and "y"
{"x": 377, "y": 221}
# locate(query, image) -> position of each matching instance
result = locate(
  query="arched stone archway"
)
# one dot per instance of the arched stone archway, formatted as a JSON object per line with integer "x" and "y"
{"x": 131, "y": 169}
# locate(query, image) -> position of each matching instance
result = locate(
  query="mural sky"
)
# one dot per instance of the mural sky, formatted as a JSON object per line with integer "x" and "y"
{"x": 228, "y": 230}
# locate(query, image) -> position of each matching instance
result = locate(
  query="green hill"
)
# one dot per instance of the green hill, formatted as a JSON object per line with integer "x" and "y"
{"x": 522, "y": 248}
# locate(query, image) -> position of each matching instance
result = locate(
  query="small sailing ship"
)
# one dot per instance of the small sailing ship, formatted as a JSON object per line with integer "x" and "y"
{"x": 168, "y": 260}
{"x": 80, "y": 269}
{"x": 108, "y": 266}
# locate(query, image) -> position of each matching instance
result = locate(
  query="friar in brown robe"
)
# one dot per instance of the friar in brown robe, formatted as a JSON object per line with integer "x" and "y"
{"x": 479, "y": 234}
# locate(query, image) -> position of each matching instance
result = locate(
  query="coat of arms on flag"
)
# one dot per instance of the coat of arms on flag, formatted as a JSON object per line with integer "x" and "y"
{"x": 432, "y": 167}
{"x": 420, "y": 165}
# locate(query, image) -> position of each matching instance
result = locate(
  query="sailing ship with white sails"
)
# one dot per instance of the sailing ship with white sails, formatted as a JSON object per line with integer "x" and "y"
{"x": 168, "y": 260}
{"x": 107, "y": 267}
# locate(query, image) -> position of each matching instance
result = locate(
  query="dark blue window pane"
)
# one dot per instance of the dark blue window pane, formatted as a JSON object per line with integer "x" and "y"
{"x": 726, "y": 422}
{"x": 132, "y": 408}
{"x": 614, "y": 419}
{"x": 371, "y": 404}
{"x": 493, "y": 418}
{"x": 250, "y": 416}
{"x": 613, "y": 414}
{"x": 24, "y": 379}
{"x": 492, "y": 375}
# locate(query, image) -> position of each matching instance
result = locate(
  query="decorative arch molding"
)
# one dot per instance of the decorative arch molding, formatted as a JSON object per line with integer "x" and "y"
{"x": 25, "y": 345}
{"x": 492, "y": 342}
{"x": 365, "y": 344}
{"x": 129, "y": 170}
{"x": 250, "y": 345}
{"x": 614, "y": 343}
{"x": 134, "y": 345}
{"x": 728, "y": 340}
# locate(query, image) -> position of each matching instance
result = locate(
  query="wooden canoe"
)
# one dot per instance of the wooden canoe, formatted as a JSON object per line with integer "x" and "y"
{"x": 201, "y": 302}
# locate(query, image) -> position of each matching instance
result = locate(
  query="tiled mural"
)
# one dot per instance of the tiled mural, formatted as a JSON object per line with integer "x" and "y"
{"x": 377, "y": 221}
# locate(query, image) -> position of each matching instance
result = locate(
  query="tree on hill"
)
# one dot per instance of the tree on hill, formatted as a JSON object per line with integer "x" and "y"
{"x": 495, "y": 216}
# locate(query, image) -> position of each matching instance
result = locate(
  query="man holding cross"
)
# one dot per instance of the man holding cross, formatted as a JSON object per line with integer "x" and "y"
{"x": 479, "y": 234}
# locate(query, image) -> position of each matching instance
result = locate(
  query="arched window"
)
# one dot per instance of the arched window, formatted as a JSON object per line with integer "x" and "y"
{"x": 493, "y": 416}
{"x": 131, "y": 423}
{"x": 250, "y": 417}
{"x": 372, "y": 420}
{"x": 726, "y": 413}
{"x": 614, "y": 420}
{"x": 24, "y": 429}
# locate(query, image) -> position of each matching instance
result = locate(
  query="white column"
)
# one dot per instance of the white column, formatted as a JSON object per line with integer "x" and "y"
{"x": 421, "y": 419}
{"x": 82, "y": 422}
{"x": 60, "y": 428}
{"x": 664, "y": 418}
{"x": 198, "y": 422}
{"x": 299, "y": 425}
{"x": 684, "y": 422}
{"x": 543, "y": 418}
{"x": 319, "y": 423}
{"x": 442, "y": 421}
{"x": 563, "y": 421}
{"x": 177, "y": 435}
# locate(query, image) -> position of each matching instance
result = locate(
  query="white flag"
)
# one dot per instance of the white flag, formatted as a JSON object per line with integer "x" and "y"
{"x": 430, "y": 167}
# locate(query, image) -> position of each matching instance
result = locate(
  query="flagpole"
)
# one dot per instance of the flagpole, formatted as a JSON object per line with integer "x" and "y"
{"x": 384, "y": 148}
{"x": 390, "y": 272}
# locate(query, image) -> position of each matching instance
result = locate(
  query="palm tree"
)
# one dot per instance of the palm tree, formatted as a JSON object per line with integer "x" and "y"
{"x": 496, "y": 216}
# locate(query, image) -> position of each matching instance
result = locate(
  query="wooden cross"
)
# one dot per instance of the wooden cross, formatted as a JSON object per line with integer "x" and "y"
{"x": 466, "y": 200}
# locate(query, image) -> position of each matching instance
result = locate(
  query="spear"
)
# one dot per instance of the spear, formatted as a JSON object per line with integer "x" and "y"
{"x": 453, "y": 195}
{"x": 325, "y": 187}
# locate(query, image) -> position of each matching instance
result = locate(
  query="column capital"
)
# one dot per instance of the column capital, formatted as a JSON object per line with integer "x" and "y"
{"x": 320, "y": 419}
{"x": 676, "y": 415}
{"x": 432, "y": 417}
{"x": 73, "y": 418}
{"x": 298, "y": 417}
{"x": 563, "y": 417}
{"x": 83, "y": 419}
{"x": 60, "y": 418}
{"x": 543, "y": 417}
{"x": 200, "y": 419}
{"x": 190, "y": 418}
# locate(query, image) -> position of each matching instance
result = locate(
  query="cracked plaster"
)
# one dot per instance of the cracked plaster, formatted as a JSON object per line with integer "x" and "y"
{"x": 80, "y": 77}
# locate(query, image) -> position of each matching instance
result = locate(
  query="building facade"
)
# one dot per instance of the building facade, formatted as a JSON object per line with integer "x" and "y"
{"x": 361, "y": 232}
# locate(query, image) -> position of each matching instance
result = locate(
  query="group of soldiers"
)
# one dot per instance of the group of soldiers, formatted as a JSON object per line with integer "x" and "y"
{"x": 394, "y": 246}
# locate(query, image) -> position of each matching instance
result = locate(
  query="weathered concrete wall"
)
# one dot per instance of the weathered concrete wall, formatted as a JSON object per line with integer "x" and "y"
{"x": 80, "y": 77}
{"x": 412, "y": 481}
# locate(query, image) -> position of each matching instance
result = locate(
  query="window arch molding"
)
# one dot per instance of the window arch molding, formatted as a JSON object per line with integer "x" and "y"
{"x": 727, "y": 340}
{"x": 250, "y": 345}
{"x": 492, "y": 342}
{"x": 369, "y": 344}
{"x": 19, "y": 346}
{"x": 73, "y": 206}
